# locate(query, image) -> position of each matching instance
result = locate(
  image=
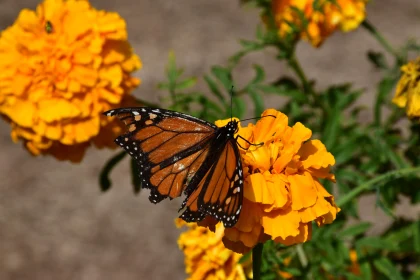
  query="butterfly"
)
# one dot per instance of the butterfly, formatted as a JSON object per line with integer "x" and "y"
{"x": 177, "y": 153}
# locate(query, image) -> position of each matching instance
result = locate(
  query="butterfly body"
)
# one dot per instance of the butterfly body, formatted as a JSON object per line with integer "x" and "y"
{"x": 177, "y": 153}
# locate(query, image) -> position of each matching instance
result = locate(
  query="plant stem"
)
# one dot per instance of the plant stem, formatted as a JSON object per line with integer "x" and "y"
{"x": 307, "y": 87}
{"x": 301, "y": 255}
{"x": 294, "y": 63}
{"x": 379, "y": 179}
{"x": 256, "y": 261}
{"x": 381, "y": 39}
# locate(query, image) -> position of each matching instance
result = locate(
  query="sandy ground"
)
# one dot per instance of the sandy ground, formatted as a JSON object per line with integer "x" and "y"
{"x": 54, "y": 221}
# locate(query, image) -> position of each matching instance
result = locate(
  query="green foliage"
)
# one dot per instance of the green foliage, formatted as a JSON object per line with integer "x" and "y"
{"x": 372, "y": 157}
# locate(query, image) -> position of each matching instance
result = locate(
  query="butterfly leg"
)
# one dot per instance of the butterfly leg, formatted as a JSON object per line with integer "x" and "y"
{"x": 251, "y": 144}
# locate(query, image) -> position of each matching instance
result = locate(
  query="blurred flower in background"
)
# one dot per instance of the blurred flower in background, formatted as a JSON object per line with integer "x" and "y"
{"x": 408, "y": 89}
{"x": 282, "y": 191}
{"x": 61, "y": 66}
{"x": 315, "y": 20}
{"x": 206, "y": 257}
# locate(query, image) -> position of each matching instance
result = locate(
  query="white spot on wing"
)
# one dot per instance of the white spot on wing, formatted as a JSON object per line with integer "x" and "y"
{"x": 179, "y": 166}
{"x": 135, "y": 113}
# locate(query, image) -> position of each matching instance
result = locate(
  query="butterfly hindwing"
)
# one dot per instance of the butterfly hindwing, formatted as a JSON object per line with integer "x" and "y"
{"x": 220, "y": 191}
{"x": 169, "y": 147}
{"x": 222, "y": 198}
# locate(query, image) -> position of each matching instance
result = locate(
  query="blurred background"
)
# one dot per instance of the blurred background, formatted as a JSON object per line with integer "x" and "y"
{"x": 54, "y": 221}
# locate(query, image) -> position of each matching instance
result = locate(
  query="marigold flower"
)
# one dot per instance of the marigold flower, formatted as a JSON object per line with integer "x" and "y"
{"x": 408, "y": 89}
{"x": 62, "y": 65}
{"x": 318, "y": 20}
{"x": 205, "y": 255}
{"x": 282, "y": 191}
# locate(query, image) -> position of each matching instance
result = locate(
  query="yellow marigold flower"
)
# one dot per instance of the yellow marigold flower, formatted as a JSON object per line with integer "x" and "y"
{"x": 205, "y": 255}
{"x": 320, "y": 21}
{"x": 62, "y": 65}
{"x": 282, "y": 191}
{"x": 408, "y": 89}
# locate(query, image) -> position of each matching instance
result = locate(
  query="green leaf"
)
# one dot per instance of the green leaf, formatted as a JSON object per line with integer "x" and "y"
{"x": 402, "y": 234}
{"x": 355, "y": 230}
{"x": 292, "y": 270}
{"x": 135, "y": 179}
{"x": 376, "y": 243}
{"x": 379, "y": 140}
{"x": 187, "y": 83}
{"x": 348, "y": 98}
{"x": 386, "y": 267}
{"x": 245, "y": 257}
{"x": 171, "y": 69}
{"x": 215, "y": 89}
{"x": 208, "y": 104}
{"x": 250, "y": 45}
{"x": 384, "y": 88}
{"x": 258, "y": 101}
{"x": 350, "y": 276}
{"x": 259, "y": 75}
{"x": 347, "y": 151}
{"x": 416, "y": 236}
{"x": 332, "y": 128}
{"x": 383, "y": 205}
{"x": 296, "y": 94}
{"x": 224, "y": 76}
{"x": 378, "y": 59}
{"x": 104, "y": 181}
{"x": 163, "y": 86}
{"x": 365, "y": 270}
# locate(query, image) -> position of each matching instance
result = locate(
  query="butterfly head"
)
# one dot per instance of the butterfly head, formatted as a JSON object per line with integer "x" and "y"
{"x": 232, "y": 127}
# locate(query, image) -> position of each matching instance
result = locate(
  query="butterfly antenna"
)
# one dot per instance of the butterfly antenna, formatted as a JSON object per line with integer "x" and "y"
{"x": 231, "y": 102}
{"x": 256, "y": 118}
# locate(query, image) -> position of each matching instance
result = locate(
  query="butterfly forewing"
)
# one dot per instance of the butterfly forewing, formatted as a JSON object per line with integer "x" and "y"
{"x": 168, "y": 147}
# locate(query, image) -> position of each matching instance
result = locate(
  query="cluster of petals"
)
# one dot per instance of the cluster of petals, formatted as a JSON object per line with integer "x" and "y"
{"x": 61, "y": 66}
{"x": 206, "y": 257}
{"x": 408, "y": 89}
{"x": 283, "y": 194}
{"x": 318, "y": 19}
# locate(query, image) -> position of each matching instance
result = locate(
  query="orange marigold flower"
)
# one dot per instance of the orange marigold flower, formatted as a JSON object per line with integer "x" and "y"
{"x": 62, "y": 65}
{"x": 282, "y": 191}
{"x": 205, "y": 255}
{"x": 408, "y": 89}
{"x": 316, "y": 20}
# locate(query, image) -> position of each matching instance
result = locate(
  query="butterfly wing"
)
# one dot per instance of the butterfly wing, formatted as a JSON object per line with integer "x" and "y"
{"x": 169, "y": 147}
{"x": 220, "y": 191}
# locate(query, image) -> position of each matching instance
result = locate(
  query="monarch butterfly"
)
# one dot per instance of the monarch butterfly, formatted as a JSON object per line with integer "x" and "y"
{"x": 178, "y": 153}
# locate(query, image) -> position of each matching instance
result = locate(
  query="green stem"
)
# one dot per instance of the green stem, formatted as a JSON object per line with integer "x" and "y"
{"x": 294, "y": 63}
{"x": 301, "y": 255}
{"x": 379, "y": 179}
{"x": 256, "y": 261}
{"x": 307, "y": 87}
{"x": 381, "y": 39}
